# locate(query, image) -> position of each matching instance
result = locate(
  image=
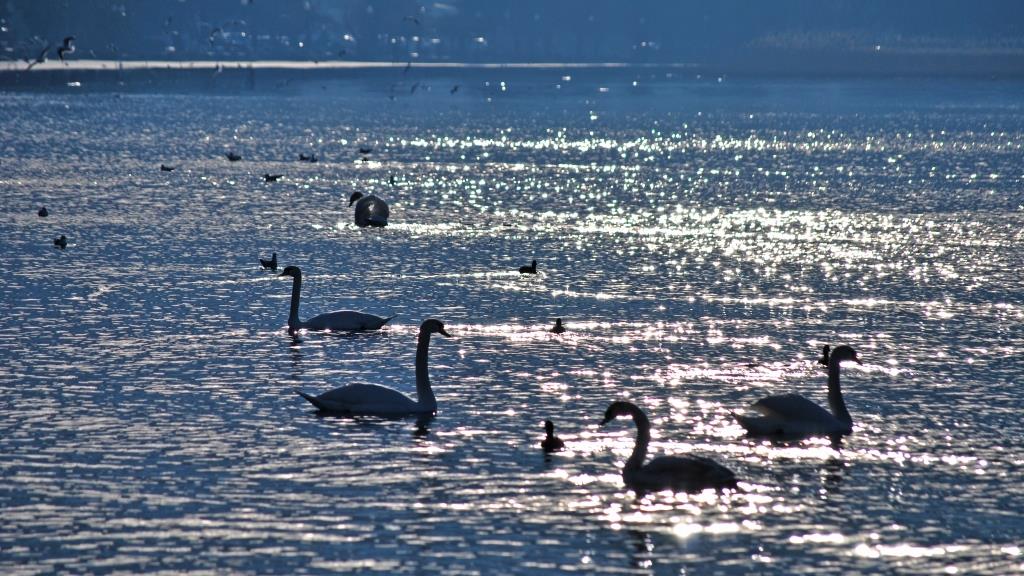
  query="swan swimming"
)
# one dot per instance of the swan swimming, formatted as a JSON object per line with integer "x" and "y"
{"x": 793, "y": 416}
{"x": 531, "y": 269}
{"x": 270, "y": 264}
{"x": 551, "y": 443}
{"x": 374, "y": 400}
{"x": 677, "y": 473}
{"x": 346, "y": 320}
{"x": 558, "y": 327}
{"x": 370, "y": 210}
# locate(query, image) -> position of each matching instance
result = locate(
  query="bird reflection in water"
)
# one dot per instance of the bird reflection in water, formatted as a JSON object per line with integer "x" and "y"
{"x": 643, "y": 549}
{"x": 832, "y": 476}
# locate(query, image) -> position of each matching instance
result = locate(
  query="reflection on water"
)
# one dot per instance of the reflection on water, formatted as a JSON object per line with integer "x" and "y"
{"x": 700, "y": 246}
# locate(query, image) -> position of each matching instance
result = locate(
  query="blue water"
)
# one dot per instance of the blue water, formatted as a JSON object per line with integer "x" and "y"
{"x": 700, "y": 239}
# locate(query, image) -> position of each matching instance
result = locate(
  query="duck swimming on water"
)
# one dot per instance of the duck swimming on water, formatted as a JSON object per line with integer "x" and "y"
{"x": 551, "y": 443}
{"x": 531, "y": 269}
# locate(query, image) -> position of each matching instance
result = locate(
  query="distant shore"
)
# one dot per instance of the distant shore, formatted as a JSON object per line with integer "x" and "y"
{"x": 96, "y": 65}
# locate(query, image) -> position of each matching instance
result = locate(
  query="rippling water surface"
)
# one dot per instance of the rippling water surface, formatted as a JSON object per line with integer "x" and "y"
{"x": 701, "y": 240}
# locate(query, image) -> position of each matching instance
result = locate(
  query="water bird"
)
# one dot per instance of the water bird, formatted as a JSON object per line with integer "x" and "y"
{"x": 342, "y": 320}
{"x": 231, "y": 156}
{"x": 793, "y": 416}
{"x": 43, "y": 212}
{"x": 61, "y": 242}
{"x": 272, "y": 177}
{"x": 270, "y": 264}
{"x": 824, "y": 355}
{"x": 41, "y": 58}
{"x": 391, "y": 180}
{"x": 558, "y": 328}
{"x": 307, "y": 157}
{"x": 551, "y": 443}
{"x": 364, "y": 150}
{"x": 67, "y": 49}
{"x": 375, "y": 400}
{"x": 166, "y": 168}
{"x": 531, "y": 269}
{"x": 454, "y": 89}
{"x": 370, "y": 210}
{"x": 676, "y": 473}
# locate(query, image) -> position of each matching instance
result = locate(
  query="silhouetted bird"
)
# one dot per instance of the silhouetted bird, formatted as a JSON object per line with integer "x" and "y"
{"x": 531, "y": 269}
{"x": 61, "y": 242}
{"x": 408, "y": 65}
{"x": 43, "y": 212}
{"x": 454, "y": 89}
{"x": 272, "y": 177}
{"x": 39, "y": 59}
{"x": 558, "y": 328}
{"x": 67, "y": 49}
{"x": 269, "y": 264}
{"x": 307, "y": 158}
{"x": 412, "y": 19}
{"x": 166, "y": 168}
{"x": 824, "y": 355}
{"x": 551, "y": 443}
{"x": 391, "y": 180}
{"x": 365, "y": 150}
{"x": 233, "y": 157}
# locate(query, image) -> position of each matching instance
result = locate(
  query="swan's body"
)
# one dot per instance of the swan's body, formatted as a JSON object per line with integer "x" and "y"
{"x": 374, "y": 400}
{"x": 677, "y": 473}
{"x": 370, "y": 210}
{"x": 342, "y": 320}
{"x": 793, "y": 416}
{"x": 531, "y": 269}
{"x": 270, "y": 264}
{"x": 824, "y": 355}
{"x": 551, "y": 443}
{"x": 558, "y": 327}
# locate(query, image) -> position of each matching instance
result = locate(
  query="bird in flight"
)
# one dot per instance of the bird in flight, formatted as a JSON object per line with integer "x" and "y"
{"x": 67, "y": 49}
{"x": 39, "y": 59}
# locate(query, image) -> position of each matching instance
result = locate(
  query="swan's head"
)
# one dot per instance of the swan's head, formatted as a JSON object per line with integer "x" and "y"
{"x": 617, "y": 409}
{"x": 824, "y": 350}
{"x": 430, "y": 326}
{"x": 549, "y": 427}
{"x": 842, "y": 354}
{"x": 355, "y": 196}
{"x": 292, "y": 271}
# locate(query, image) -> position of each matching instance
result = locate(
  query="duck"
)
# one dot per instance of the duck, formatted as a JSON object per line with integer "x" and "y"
{"x": 676, "y": 473}
{"x": 551, "y": 443}
{"x": 272, "y": 177}
{"x": 61, "y": 242}
{"x": 531, "y": 269}
{"x": 365, "y": 150}
{"x": 341, "y": 320}
{"x": 793, "y": 416}
{"x": 824, "y": 355}
{"x": 370, "y": 210}
{"x": 558, "y": 328}
{"x": 231, "y": 156}
{"x": 307, "y": 157}
{"x": 270, "y": 264}
{"x": 375, "y": 400}
{"x": 166, "y": 168}
{"x": 43, "y": 212}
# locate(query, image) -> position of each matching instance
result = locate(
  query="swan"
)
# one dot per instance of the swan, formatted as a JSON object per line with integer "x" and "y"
{"x": 61, "y": 242}
{"x": 370, "y": 210}
{"x": 551, "y": 443}
{"x": 824, "y": 355}
{"x": 269, "y": 264}
{"x": 374, "y": 400}
{"x": 531, "y": 269}
{"x": 341, "y": 320}
{"x": 558, "y": 328}
{"x": 677, "y": 473}
{"x": 792, "y": 415}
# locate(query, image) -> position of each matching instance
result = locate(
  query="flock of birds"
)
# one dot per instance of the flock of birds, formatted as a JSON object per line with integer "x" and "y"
{"x": 787, "y": 416}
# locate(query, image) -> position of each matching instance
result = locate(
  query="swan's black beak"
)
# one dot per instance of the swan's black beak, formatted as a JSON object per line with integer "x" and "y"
{"x": 605, "y": 420}
{"x": 857, "y": 360}
{"x": 443, "y": 333}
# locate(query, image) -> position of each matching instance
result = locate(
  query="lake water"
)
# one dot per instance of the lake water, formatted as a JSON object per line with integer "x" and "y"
{"x": 700, "y": 238}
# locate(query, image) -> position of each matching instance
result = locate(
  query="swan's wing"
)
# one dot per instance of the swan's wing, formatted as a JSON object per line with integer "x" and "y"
{"x": 346, "y": 320}
{"x": 689, "y": 472}
{"x": 793, "y": 407}
{"x": 355, "y": 395}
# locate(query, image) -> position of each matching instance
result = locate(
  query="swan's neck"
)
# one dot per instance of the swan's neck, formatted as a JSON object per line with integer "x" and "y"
{"x": 424, "y": 394}
{"x": 835, "y": 394}
{"x": 293, "y": 314}
{"x": 643, "y": 438}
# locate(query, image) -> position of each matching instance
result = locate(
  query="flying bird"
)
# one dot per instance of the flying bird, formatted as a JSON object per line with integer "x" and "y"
{"x": 67, "y": 49}
{"x": 454, "y": 89}
{"x": 39, "y": 59}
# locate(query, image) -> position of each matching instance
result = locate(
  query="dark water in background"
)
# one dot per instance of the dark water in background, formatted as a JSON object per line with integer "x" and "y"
{"x": 701, "y": 239}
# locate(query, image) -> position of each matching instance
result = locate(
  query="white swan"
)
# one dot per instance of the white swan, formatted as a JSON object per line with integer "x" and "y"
{"x": 792, "y": 415}
{"x": 678, "y": 473}
{"x": 370, "y": 210}
{"x": 345, "y": 320}
{"x": 370, "y": 399}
